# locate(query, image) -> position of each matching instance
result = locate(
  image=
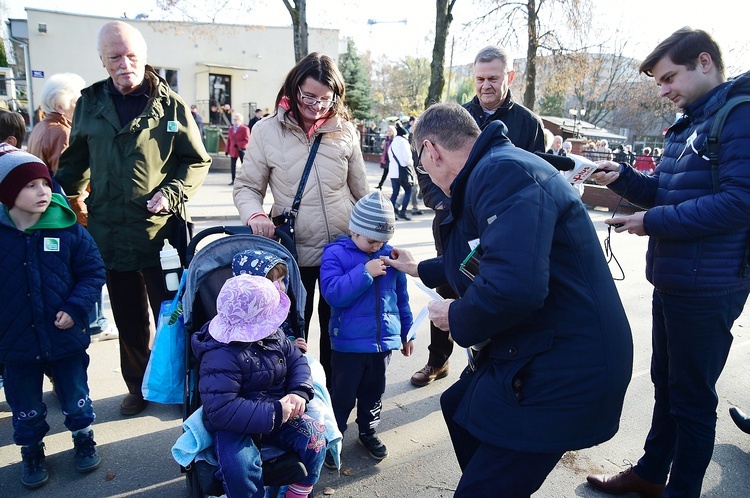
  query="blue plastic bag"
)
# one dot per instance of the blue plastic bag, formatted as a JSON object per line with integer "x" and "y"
{"x": 164, "y": 379}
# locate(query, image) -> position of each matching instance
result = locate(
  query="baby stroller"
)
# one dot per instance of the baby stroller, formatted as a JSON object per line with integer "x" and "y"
{"x": 208, "y": 269}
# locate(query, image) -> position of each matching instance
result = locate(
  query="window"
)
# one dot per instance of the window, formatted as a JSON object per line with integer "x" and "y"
{"x": 171, "y": 76}
{"x": 219, "y": 88}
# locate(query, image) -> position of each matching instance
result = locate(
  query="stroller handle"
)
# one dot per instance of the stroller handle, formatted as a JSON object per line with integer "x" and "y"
{"x": 283, "y": 237}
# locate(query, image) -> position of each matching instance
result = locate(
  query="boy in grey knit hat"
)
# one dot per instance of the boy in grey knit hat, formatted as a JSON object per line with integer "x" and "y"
{"x": 370, "y": 317}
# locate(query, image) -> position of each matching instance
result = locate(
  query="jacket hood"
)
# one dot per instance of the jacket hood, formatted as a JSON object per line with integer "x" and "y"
{"x": 58, "y": 215}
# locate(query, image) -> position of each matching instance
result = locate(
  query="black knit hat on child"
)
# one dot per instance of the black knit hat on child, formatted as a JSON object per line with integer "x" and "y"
{"x": 17, "y": 169}
{"x": 373, "y": 217}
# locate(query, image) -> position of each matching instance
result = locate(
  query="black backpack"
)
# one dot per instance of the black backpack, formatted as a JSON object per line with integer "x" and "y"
{"x": 712, "y": 151}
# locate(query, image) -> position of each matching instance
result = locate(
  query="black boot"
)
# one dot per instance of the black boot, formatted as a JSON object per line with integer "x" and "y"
{"x": 33, "y": 471}
{"x": 742, "y": 420}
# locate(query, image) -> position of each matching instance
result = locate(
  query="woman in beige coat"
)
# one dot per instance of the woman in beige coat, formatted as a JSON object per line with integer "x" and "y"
{"x": 310, "y": 103}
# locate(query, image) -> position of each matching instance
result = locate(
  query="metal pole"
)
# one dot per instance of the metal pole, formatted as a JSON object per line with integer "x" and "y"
{"x": 27, "y": 64}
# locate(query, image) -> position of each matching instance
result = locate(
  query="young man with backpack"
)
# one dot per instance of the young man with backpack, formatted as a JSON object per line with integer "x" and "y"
{"x": 698, "y": 223}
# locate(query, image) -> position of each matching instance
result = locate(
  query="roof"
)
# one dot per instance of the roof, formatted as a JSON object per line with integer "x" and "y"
{"x": 586, "y": 129}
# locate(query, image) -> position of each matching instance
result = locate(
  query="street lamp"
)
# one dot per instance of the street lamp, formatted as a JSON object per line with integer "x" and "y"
{"x": 577, "y": 114}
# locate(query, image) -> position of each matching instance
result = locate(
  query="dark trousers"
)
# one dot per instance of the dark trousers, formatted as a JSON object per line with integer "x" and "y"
{"x": 233, "y": 163}
{"x": 385, "y": 175}
{"x": 691, "y": 337}
{"x": 133, "y": 295}
{"x": 490, "y": 471}
{"x": 359, "y": 378}
{"x": 310, "y": 275}
{"x": 23, "y": 390}
{"x": 396, "y": 186}
{"x": 441, "y": 344}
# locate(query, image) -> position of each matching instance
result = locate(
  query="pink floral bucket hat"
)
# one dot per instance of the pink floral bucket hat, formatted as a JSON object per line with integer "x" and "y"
{"x": 249, "y": 308}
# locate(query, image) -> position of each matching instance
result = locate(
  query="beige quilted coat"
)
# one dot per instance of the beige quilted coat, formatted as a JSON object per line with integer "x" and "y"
{"x": 276, "y": 158}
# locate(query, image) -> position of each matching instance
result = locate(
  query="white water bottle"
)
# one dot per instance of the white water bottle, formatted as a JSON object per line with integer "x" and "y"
{"x": 171, "y": 268}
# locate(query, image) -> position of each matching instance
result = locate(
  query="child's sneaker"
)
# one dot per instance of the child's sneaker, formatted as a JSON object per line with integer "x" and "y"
{"x": 374, "y": 446}
{"x": 329, "y": 461}
{"x": 86, "y": 458}
{"x": 33, "y": 472}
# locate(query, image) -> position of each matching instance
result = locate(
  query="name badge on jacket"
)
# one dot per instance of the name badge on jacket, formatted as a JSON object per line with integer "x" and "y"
{"x": 51, "y": 244}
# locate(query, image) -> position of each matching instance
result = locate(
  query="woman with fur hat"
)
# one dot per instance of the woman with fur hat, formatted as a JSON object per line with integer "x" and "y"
{"x": 253, "y": 381}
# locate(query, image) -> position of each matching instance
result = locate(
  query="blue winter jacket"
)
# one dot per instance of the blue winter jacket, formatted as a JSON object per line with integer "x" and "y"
{"x": 554, "y": 375}
{"x": 240, "y": 383}
{"x": 44, "y": 271}
{"x": 368, "y": 315}
{"x": 698, "y": 237}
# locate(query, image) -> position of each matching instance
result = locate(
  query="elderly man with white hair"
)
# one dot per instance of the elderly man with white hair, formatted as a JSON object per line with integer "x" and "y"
{"x": 140, "y": 146}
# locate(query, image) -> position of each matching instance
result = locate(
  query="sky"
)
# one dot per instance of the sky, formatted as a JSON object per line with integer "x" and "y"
{"x": 639, "y": 23}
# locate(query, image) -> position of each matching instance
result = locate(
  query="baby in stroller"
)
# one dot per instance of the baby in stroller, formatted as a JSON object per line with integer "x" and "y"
{"x": 255, "y": 384}
{"x": 273, "y": 267}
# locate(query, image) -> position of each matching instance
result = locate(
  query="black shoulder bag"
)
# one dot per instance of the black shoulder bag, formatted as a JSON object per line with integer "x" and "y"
{"x": 285, "y": 221}
{"x": 405, "y": 175}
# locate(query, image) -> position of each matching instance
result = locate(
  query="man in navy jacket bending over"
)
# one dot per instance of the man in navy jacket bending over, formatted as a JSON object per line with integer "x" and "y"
{"x": 553, "y": 350}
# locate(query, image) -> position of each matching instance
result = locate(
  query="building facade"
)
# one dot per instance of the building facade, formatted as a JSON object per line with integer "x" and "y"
{"x": 209, "y": 65}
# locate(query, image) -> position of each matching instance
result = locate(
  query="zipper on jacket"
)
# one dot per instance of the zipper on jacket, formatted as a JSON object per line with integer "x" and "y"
{"x": 377, "y": 312}
{"x": 320, "y": 193}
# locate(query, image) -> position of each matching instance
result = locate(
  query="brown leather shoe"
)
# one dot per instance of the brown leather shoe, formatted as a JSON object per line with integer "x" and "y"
{"x": 133, "y": 404}
{"x": 626, "y": 481}
{"x": 428, "y": 374}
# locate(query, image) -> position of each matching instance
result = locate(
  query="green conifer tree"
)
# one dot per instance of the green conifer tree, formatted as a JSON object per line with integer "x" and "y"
{"x": 358, "y": 91}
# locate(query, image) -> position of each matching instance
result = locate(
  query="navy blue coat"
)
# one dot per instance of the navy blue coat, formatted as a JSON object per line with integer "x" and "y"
{"x": 36, "y": 283}
{"x": 368, "y": 315}
{"x": 698, "y": 237}
{"x": 545, "y": 298}
{"x": 240, "y": 382}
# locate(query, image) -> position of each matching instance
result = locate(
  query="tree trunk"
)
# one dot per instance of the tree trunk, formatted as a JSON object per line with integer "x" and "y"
{"x": 298, "y": 13}
{"x": 443, "y": 19}
{"x": 529, "y": 94}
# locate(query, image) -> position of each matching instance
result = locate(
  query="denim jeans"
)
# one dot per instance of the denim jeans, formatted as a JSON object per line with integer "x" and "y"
{"x": 23, "y": 390}
{"x": 396, "y": 186}
{"x": 240, "y": 466}
{"x": 691, "y": 338}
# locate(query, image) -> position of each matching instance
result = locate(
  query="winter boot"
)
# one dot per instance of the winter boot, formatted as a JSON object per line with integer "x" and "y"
{"x": 86, "y": 458}
{"x": 33, "y": 472}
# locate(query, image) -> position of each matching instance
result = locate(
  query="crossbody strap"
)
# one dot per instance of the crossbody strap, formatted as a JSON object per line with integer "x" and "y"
{"x": 397, "y": 161}
{"x": 305, "y": 175}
